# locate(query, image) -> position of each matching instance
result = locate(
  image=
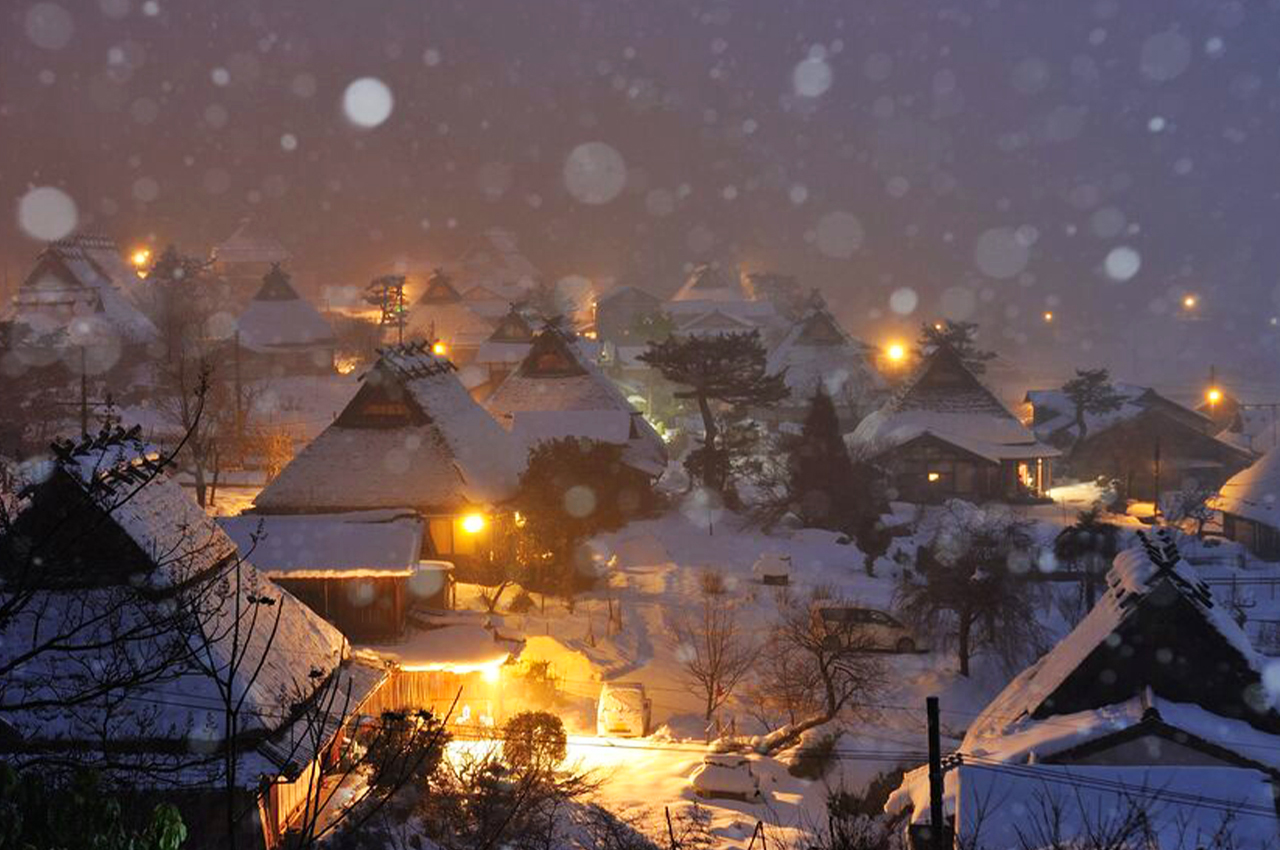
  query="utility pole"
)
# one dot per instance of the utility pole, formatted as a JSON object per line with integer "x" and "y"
{"x": 235, "y": 363}
{"x": 1155, "y": 510}
{"x": 937, "y": 822}
{"x": 84, "y": 395}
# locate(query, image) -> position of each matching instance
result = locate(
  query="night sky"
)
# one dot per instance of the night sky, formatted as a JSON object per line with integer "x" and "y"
{"x": 975, "y": 160}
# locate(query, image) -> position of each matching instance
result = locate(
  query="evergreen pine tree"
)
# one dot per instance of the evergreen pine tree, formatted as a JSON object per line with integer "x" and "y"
{"x": 819, "y": 471}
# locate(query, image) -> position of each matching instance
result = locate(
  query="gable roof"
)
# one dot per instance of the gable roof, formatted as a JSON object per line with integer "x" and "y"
{"x": 85, "y": 274}
{"x": 818, "y": 352}
{"x": 350, "y": 545}
{"x": 1253, "y": 493}
{"x": 187, "y": 553}
{"x": 1055, "y": 413}
{"x": 509, "y": 342}
{"x": 277, "y": 318}
{"x": 1158, "y": 628}
{"x": 247, "y": 245}
{"x": 495, "y": 263}
{"x": 439, "y": 290}
{"x": 709, "y": 283}
{"x": 555, "y": 377}
{"x": 412, "y": 437}
{"x": 945, "y": 399}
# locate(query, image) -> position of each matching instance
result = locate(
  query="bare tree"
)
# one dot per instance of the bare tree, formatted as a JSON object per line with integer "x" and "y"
{"x": 969, "y": 588}
{"x": 715, "y": 650}
{"x": 837, "y": 654}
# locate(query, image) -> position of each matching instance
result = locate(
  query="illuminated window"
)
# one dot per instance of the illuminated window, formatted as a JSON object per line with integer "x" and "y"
{"x": 935, "y": 476}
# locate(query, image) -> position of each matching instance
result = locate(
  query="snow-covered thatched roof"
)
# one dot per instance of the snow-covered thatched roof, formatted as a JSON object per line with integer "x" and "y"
{"x": 1054, "y": 805}
{"x": 818, "y": 352}
{"x": 1157, "y": 627}
{"x": 412, "y": 437}
{"x": 82, "y": 279}
{"x": 350, "y": 545}
{"x": 190, "y": 565}
{"x": 1254, "y": 493}
{"x": 945, "y": 399}
{"x": 557, "y": 392}
{"x": 278, "y": 319}
{"x": 440, "y": 313}
{"x": 709, "y": 283}
{"x": 1055, "y": 412}
{"x": 247, "y": 245}
{"x": 493, "y": 268}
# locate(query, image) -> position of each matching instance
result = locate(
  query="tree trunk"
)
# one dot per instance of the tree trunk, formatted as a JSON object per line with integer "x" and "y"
{"x": 962, "y": 644}
{"x": 1082, "y": 429}
{"x": 712, "y": 473}
{"x": 197, "y": 465}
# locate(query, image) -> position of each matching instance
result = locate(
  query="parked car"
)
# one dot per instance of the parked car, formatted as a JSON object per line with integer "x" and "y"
{"x": 878, "y": 629}
{"x": 624, "y": 710}
{"x": 726, "y": 775}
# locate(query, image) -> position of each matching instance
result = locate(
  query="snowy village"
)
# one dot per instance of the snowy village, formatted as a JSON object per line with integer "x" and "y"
{"x": 609, "y": 426}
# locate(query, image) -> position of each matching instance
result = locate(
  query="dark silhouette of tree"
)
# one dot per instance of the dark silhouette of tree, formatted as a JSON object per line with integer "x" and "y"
{"x": 728, "y": 369}
{"x": 571, "y": 489}
{"x": 1090, "y": 391}
{"x": 957, "y": 336}
{"x": 1089, "y": 545}
{"x": 969, "y": 587}
{"x": 826, "y": 488}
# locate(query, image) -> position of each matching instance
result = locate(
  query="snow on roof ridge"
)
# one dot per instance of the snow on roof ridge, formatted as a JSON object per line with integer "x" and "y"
{"x": 1253, "y": 492}
{"x": 1135, "y": 574}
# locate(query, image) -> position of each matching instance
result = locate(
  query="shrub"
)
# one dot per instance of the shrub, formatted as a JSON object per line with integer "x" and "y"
{"x": 406, "y": 749}
{"x": 534, "y": 741}
{"x": 522, "y": 603}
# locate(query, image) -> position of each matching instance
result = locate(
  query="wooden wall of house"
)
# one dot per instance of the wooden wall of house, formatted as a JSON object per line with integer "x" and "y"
{"x": 361, "y": 608}
{"x": 960, "y": 474}
{"x": 410, "y": 690}
{"x": 1259, "y": 538}
{"x": 1126, "y": 452}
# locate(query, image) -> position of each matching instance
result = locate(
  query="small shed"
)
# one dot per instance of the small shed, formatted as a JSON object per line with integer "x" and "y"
{"x": 359, "y": 570}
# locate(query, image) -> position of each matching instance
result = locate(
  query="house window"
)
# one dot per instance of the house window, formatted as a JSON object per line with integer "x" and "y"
{"x": 934, "y": 477}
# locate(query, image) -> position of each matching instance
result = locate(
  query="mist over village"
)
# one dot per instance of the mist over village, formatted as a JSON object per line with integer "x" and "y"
{"x": 606, "y": 425}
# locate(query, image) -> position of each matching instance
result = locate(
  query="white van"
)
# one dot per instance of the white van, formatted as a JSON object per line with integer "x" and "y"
{"x": 624, "y": 711}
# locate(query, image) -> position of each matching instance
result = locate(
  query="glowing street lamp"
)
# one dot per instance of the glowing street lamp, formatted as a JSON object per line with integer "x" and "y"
{"x": 439, "y": 349}
{"x": 1213, "y": 396}
{"x": 896, "y": 352}
{"x": 473, "y": 523}
{"x": 1048, "y": 316}
{"x": 1189, "y": 302}
{"x": 140, "y": 259}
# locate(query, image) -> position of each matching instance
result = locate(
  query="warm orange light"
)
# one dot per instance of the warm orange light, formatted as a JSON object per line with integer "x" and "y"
{"x": 1214, "y": 395}
{"x": 896, "y": 352}
{"x": 439, "y": 349}
{"x": 473, "y": 523}
{"x": 935, "y": 476}
{"x": 937, "y": 326}
{"x": 1048, "y": 315}
{"x": 140, "y": 257}
{"x": 1190, "y": 302}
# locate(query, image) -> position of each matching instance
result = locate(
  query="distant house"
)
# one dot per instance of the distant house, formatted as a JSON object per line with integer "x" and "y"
{"x": 441, "y": 315}
{"x": 505, "y": 348}
{"x": 124, "y": 552}
{"x": 1250, "y": 506}
{"x": 817, "y": 352}
{"x": 243, "y": 258}
{"x": 943, "y": 435}
{"x": 412, "y": 437}
{"x": 712, "y": 301}
{"x": 556, "y": 392}
{"x": 1155, "y": 700}
{"x": 280, "y": 333}
{"x": 1123, "y": 444}
{"x": 618, "y": 312}
{"x": 492, "y": 272}
{"x": 360, "y": 571}
{"x": 80, "y": 288}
